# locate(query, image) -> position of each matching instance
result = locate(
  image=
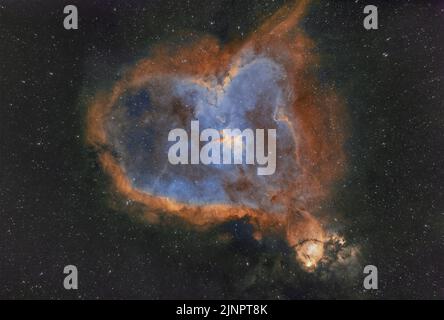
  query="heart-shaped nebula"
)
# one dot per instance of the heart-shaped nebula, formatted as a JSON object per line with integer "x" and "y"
{"x": 266, "y": 82}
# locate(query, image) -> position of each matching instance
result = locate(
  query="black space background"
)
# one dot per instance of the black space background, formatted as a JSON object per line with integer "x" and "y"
{"x": 54, "y": 200}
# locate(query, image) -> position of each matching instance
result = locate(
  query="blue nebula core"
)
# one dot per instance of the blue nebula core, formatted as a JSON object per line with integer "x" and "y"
{"x": 256, "y": 96}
